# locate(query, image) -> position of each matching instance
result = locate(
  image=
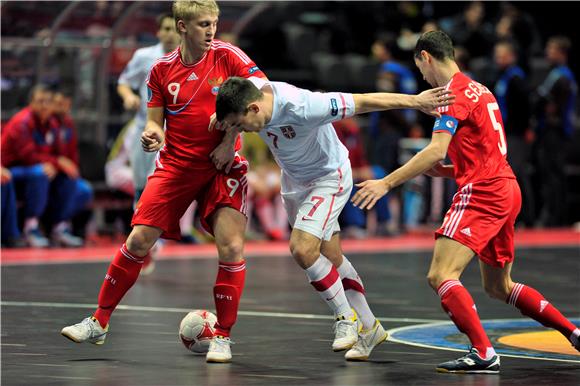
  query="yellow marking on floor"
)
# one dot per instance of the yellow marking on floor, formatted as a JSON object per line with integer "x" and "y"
{"x": 549, "y": 341}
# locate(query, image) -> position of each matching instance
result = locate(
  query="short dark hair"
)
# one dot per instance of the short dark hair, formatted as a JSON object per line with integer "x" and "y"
{"x": 562, "y": 42}
{"x": 436, "y": 43}
{"x": 511, "y": 44}
{"x": 38, "y": 88}
{"x": 234, "y": 96}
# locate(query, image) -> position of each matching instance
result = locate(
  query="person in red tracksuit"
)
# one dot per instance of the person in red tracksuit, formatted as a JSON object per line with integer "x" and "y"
{"x": 29, "y": 151}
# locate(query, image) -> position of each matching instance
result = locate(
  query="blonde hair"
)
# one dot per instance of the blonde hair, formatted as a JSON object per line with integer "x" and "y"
{"x": 187, "y": 10}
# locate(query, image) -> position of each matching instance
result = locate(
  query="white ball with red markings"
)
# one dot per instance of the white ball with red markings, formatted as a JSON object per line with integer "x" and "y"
{"x": 197, "y": 329}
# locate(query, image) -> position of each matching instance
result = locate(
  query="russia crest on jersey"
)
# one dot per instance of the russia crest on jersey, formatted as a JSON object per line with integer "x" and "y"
{"x": 288, "y": 132}
{"x": 215, "y": 84}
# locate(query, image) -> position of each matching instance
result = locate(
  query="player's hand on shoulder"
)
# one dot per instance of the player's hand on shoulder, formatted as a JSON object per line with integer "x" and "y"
{"x": 369, "y": 193}
{"x": 152, "y": 139}
{"x": 428, "y": 101}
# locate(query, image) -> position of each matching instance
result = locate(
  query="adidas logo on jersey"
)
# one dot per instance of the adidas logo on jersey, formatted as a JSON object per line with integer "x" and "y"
{"x": 543, "y": 305}
{"x": 192, "y": 76}
{"x": 466, "y": 231}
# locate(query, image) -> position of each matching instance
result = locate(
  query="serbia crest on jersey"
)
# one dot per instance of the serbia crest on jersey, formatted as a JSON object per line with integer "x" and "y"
{"x": 187, "y": 92}
{"x": 478, "y": 149}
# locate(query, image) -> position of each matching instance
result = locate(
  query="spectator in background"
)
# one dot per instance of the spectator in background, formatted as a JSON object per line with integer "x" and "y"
{"x": 512, "y": 94}
{"x": 40, "y": 175}
{"x": 555, "y": 110}
{"x": 68, "y": 156}
{"x": 470, "y": 30}
{"x": 519, "y": 27}
{"x": 10, "y": 231}
{"x": 387, "y": 127}
{"x": 353, "y": 220}
{"x": 462, "y": 59}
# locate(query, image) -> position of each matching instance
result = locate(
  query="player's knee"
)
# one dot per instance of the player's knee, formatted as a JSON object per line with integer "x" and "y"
{"x": 434, "y": 279}
{"x": 140, "y": 242}
{"x": 304, "y": 254}
{"x": 231, "y": 250}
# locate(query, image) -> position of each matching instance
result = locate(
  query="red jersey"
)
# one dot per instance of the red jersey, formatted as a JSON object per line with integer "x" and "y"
{"x": 26, "y": 141}
{"x": 478, "y": 149}
{"x": 66, "y": 138}
{"x": 188, "y": 93}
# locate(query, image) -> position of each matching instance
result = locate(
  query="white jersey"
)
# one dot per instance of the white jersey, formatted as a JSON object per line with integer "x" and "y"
{"x": 300, "y": 134}
{"x": 136, "y": 72}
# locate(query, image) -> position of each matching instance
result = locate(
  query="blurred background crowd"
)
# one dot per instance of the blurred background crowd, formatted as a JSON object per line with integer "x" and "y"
{"x": 68, "y": 181}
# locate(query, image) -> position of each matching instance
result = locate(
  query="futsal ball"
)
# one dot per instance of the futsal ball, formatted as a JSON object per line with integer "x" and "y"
{"x": 196, "y": 330}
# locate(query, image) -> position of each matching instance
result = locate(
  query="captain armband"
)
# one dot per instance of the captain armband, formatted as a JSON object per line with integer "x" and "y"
{"x": 445, "y": 124}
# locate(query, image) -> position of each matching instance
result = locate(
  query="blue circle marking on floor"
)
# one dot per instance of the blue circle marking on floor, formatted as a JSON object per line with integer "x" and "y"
{"x": 445, "y": 336}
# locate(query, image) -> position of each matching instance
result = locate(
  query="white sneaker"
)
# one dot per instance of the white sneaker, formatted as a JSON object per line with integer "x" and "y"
{"x": 367, "y": 341}
{"x": 65, "y": 238}
{"x": 345, "y": 333}
{"x": 89, "y": 330}
{"x": 219, "y": 350}
{"x": 149, "y": 262}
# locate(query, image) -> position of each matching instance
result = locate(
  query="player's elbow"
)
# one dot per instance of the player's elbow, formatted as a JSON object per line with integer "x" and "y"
{"x": 437, "y": 153}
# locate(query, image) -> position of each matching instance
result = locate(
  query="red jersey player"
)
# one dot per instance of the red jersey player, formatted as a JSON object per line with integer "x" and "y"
{"x": 482, "y": 216}
{"x": 182, "y": 89}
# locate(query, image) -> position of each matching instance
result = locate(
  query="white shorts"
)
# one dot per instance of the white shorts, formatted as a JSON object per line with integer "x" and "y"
{"x": 314, "y": 207}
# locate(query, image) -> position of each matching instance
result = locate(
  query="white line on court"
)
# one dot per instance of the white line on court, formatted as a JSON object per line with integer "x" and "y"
{"x": 398, "y": 329}
{"x": 425, "y": 322}
{"x": 186, "y": 310}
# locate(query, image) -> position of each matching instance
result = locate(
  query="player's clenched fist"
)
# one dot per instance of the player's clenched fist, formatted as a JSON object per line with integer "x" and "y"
{"x": 369, "y": 193}
{"x": 152, "y": 139}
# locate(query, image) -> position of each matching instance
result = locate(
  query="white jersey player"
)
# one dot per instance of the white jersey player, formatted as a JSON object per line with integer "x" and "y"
{"x": 133, "y": 78}
{"x": 316, "y": 183}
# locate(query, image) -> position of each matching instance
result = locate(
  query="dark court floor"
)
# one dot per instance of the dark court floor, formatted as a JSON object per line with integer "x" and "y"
{"x": 283, "y": 334}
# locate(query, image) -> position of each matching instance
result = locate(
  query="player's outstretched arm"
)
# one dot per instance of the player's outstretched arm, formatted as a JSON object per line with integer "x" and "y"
{"x": 372, "y": 190}
{"x": 428, "y": 101}
{"x": 153, "y": 137}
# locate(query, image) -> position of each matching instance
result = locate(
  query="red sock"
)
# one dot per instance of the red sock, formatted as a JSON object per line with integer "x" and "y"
{"x": 122, "y": 274}
{"x": 227, "y": 291}
{"x": 459, "y": 305}
{"x": 531, "y": 303}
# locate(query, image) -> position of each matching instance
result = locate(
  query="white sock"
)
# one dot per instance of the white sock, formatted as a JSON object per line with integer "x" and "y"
{"x": 575, "y": 337}
{"x": 489, "y": 352}
{"x": 325, "y": 279}
{"x": 354, "y": 290}
{"x": 60, "y": 227}
{"x": 30, "y": 224}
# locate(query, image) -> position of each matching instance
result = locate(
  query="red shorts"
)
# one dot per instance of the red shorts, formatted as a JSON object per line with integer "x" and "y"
{"x": 171, "y": 189}
{"x": 482, "y": 217}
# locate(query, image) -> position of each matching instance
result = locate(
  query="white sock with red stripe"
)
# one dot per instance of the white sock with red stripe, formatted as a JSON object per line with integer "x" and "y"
{"x": 355, "y": 293}
{"x": 325, "y": 279}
